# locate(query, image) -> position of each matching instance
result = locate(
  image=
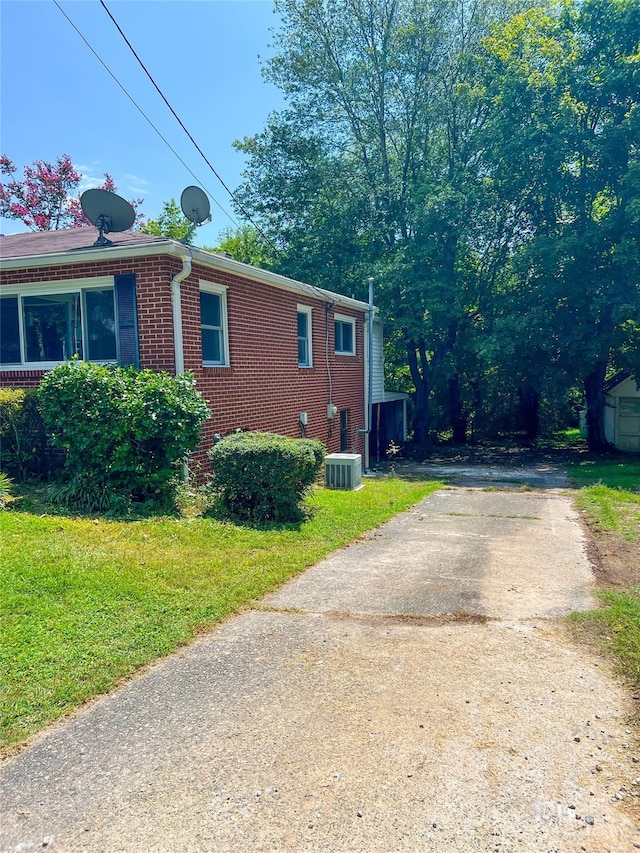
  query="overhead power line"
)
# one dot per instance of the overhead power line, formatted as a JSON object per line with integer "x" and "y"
{"x": 182, "y": 125}
{"x": 144, "y": 115}
{"x": 318, "y": 292}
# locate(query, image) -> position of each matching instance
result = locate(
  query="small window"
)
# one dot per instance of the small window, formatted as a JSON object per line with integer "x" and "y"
{"x": 9, "y": 331}
{"x": 213, "y": 324}
{"x": 304, "y": 336}
{"x": 344, "y": 430}
{"x": 345, "y": 335}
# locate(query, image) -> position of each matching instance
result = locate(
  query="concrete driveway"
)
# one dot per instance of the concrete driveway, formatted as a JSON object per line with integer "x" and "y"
{"x": 412, "y": 692}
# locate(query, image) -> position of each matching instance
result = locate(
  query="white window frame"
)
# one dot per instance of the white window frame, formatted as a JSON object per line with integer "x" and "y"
{"x": 221, "y": 291}
{"x": 306, "y": 309}
{"x": 52, "y": 288}
{"x": 342, "y": 318}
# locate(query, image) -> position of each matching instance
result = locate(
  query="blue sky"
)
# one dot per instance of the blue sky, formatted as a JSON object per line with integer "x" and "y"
{"x": 205, "y": 55}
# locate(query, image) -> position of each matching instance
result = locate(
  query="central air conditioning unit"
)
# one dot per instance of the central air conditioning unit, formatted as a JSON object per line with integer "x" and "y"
{"x": 343, "y": 471}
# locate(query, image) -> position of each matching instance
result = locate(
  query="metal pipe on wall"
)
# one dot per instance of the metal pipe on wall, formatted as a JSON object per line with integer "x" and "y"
{"x": 367, "y": 462}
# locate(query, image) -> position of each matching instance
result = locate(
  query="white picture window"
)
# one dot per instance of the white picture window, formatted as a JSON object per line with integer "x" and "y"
{"x": 213, "y": 325}
{"x": 42, "y": 326}
{"x": 345, "y": 335}
{"x": 304, "y": 336}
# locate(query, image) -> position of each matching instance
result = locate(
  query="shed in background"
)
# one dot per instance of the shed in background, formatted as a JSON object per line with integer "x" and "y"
{"x": 622, "y": 412}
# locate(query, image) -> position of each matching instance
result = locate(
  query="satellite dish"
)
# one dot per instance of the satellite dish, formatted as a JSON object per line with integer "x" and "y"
{"x": 108, "y": 212}
{"x": 195, "y": 205}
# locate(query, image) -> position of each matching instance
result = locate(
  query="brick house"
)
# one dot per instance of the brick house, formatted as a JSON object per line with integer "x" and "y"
{"x": 263, "y": 348}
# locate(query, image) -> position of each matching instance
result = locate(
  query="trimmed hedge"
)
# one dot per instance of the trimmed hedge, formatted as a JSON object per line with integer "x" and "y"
{"x": 260, "y": 476}
{"x": 124, "y": 431}
{"x": 25, "y": 450}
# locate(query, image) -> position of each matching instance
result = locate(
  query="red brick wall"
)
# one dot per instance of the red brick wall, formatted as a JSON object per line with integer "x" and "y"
{"x": 263, "y": 388}
{"x": 155, "y": 324}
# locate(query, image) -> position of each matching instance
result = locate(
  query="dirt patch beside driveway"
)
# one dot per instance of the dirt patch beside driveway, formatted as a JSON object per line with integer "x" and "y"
{"x": 616, "y": 563}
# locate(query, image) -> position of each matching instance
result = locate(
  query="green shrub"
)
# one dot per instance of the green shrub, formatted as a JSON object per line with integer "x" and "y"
{"x": 124, "y": 431}
{"x": 24, "y": 445}
{"x": 11, "y": 403}
{"x": 6, "y": 486}
{"x": 262, "y": 477}
{"x": 85, "y": 493}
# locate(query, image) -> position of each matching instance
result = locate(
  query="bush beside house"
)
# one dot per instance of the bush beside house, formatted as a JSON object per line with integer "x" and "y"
{"x": 124, "y": 432}
{"x": 25, "y": 450}
{"x": 261, "y": 477}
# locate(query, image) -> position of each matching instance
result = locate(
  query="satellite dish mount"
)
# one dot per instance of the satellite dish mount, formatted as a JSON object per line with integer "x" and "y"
{"x": 108, "y": 212}
{"x": 103, "y": 224}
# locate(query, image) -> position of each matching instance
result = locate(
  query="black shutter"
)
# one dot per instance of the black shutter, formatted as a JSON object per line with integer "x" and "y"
{"x": 127, "y": 319}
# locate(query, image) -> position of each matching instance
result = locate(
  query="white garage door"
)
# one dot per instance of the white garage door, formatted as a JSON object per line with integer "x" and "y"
{"x": 629, "y": 423}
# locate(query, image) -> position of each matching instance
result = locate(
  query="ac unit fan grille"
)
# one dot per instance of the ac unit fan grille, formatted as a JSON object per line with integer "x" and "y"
{"x": 343, "y": 471}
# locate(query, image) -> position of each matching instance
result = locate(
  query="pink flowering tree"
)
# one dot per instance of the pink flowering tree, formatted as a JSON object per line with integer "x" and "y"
{"x": 46, "y": 199}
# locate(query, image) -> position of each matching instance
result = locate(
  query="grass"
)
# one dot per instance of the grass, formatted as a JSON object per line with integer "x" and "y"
{"x": 615, "y": 630}
{"x": 569, "y": 439}
{"x": 85, "y": 602}
{"x": 615, "y": 472}
{"x": 614, "y": 510}
{"x": 609, "y": 494}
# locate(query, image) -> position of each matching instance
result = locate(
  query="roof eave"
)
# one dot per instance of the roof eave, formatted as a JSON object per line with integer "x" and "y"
{"x": 224, "y": 264}
{"x": 93, "y": 254}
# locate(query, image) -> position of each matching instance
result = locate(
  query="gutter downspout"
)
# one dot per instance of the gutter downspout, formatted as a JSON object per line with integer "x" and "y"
{"x": 176, "y": 305}
{"x": 369, "y": 363}
{"x": 178, "y": 342}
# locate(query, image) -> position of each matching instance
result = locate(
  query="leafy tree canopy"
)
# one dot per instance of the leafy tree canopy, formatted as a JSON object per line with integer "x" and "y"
{"x": 563, "y": 148}
{"x": 480, "y": 159}
{"x": 247, "y": 245}
{"x": 45, "y": 199}
{"x": 171, "y": 223}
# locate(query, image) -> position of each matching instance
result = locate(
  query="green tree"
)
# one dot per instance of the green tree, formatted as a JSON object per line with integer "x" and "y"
{"x": 483, "y": 167}
{"x": 171, "y": 223}
{"x": 246, "y": 244}
{"x": 563, "y": 148}
{"x": 373, "y": 166}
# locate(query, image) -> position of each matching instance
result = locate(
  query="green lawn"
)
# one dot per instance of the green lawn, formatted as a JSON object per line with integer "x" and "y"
{"x": 615, "y": 630}
{"x": 86, "y": 601}
{"x": 617, "y": 472}
{"x": 609, "y": 494}
{"x": 615, "y": 510}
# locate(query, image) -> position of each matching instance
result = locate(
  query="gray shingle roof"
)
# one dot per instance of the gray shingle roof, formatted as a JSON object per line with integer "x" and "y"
{"x": 50, "y": 242}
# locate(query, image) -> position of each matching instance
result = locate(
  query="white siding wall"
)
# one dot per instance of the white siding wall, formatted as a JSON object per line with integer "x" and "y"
{"x": 622, "y": 415}
{"x": 378, "y": 363}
